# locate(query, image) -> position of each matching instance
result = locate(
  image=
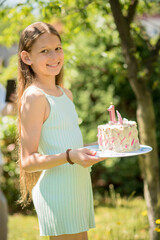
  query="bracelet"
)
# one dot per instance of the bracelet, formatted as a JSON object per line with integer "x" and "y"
{"x": 68, "y": 158}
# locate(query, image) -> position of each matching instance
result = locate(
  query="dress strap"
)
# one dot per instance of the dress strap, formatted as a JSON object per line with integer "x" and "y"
{"x": 61, "y": 89}
{"x": 33, "y": 87}
{"x": 46, "y": 94}
{"x": 36, "y": 88}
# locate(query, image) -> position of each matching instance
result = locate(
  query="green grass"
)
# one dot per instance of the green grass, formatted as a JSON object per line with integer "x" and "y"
{"x": 123, "y": 220}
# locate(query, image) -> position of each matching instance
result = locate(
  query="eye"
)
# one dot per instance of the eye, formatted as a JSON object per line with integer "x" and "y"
{"x": 58, "y": 48}
{"x": 44, "y": 51}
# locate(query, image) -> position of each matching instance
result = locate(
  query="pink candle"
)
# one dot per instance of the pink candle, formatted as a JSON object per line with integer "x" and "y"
{"x": 119, "y": 117}
{"x": 112, "y": 113}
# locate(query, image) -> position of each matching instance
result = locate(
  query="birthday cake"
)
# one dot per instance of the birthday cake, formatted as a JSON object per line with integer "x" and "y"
{"x": 118, "y": 136}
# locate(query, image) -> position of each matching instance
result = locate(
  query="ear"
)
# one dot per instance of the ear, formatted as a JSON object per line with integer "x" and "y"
{"x": 25, "y": 56}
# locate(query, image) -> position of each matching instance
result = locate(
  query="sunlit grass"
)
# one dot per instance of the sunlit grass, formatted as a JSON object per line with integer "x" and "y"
{"x": 127, "y": 220}
{"x": 24, "y": 228}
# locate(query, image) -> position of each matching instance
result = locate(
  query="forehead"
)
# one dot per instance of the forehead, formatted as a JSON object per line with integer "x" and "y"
{"x": 46, "y": 39}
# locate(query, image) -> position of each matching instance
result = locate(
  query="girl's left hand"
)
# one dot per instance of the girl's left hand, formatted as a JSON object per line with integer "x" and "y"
{"x": 84, "y": 157}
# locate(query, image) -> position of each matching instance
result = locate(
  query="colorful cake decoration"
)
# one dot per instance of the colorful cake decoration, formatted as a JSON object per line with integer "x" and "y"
{"x": 119, "y": 117}
{"x": 112, "y": 115}
{"x": 118, "y": 136}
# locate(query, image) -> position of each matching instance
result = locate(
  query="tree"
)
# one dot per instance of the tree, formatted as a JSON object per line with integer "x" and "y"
{"x": 139, "y": 68}
{"x": 140, "y": 73}
{"x": 145, "y": 111}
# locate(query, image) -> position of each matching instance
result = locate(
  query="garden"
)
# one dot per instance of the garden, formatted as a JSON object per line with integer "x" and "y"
{"x": 111, "y": 57}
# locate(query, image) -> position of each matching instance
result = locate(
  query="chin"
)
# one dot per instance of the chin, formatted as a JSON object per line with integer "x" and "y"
{"x": 57, "y": 72}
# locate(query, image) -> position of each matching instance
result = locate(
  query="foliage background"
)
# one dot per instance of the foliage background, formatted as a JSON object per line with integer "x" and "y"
{"x": 95, "y": 72}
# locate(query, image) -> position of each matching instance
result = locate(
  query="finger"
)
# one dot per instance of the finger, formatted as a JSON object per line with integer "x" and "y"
{"x": 94, "y": 158}
{"x": 90, "y": 152}
{"x": 95, "y": 162}
{"x": 103, "y": 158}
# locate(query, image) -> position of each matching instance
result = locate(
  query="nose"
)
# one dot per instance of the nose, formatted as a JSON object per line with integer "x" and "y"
{"x": 53, "y": 54}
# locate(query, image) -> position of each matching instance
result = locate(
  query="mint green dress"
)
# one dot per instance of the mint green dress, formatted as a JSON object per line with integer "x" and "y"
{"x": 63, "y": 196}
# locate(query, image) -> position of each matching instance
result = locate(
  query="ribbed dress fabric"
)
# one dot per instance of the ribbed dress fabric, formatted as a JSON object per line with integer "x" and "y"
{"x": 63, "y": 196}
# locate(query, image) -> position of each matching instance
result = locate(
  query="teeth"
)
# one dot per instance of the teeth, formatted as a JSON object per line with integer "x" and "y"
{"x": 53, "y": 65}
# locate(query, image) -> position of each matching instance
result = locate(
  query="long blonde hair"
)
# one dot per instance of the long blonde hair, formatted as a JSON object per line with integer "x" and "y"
{"x": 25, "y": 78}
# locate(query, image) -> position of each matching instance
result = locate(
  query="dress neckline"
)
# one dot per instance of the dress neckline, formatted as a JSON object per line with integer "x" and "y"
{"x": 49, "y": 94}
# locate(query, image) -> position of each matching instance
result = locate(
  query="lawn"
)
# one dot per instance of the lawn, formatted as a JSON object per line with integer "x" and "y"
{"x": 124, "y": 220}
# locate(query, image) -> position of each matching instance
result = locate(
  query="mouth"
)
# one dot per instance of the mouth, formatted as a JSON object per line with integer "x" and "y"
{"x": 53, "y": 65}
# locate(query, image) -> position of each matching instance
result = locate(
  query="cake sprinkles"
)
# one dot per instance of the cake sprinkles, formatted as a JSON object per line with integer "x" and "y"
{"x": 118, "y": 136}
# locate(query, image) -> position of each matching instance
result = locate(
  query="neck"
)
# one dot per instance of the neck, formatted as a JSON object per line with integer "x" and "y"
{"x": 45, "y": 83}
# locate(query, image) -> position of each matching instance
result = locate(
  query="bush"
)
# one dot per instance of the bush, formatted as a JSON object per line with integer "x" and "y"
{"x": 123, "y": 173}
{"x": 10, "y": 178}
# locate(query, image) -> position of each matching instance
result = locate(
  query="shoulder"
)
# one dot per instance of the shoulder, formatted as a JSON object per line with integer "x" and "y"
{"x": 32, "y": 94}
{"x": 33, "y": 97}
{"x": 33, "y": 108}
{"x": 68, "y": 93}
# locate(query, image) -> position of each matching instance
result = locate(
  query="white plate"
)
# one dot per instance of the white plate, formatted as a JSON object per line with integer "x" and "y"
{"x": 143, "y": 149}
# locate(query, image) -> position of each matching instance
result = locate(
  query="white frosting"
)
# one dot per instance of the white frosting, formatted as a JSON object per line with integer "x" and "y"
{"x": 118, "y": 137}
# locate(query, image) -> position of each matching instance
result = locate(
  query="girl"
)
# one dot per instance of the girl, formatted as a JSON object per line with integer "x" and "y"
{"x": 50, "y": 140}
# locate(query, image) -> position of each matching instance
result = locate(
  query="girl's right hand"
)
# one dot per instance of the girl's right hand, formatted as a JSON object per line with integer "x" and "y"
{"x": 84, "y": 157}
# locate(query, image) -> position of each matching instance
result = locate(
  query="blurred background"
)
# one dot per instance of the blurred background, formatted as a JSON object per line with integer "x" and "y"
{"x": 97, "y": 71}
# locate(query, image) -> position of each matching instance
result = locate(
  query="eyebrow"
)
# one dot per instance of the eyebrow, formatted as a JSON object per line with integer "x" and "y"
{"x": 59, "y": 44}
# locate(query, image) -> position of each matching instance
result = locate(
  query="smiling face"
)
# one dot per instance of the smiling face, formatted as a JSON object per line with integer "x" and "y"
{"x": 46, "y": 57}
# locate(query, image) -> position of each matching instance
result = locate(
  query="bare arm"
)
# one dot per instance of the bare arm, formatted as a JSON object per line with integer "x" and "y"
{"x": 33, "y": 114}
{"x": 32, "y": 117}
